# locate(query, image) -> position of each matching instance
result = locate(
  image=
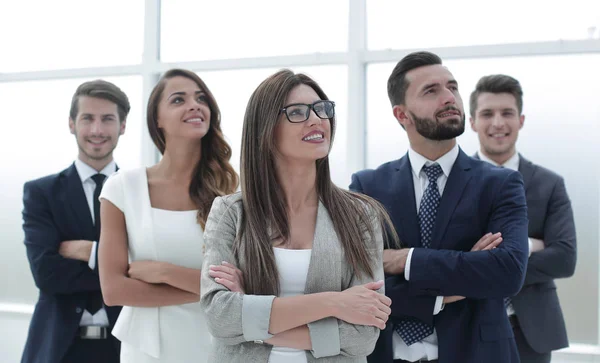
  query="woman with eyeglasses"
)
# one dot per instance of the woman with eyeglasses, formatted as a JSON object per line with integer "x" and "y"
{"x": 310, "y": 253}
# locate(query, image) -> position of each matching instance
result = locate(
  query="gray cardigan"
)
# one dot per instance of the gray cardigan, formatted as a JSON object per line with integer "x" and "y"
{"x": 236, "y": 320}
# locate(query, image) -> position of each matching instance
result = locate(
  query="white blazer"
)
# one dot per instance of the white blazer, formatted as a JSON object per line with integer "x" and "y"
{"x": 128, "y": 191}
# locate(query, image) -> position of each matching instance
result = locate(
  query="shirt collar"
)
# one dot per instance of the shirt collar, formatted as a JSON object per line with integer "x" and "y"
{"x": 512, "y": 163}
{"x": 85, "y": 171}
{"x": 446, "y": 161}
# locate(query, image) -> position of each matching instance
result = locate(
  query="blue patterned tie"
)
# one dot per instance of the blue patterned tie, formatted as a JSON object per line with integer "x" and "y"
{"x": 412, "y": 331}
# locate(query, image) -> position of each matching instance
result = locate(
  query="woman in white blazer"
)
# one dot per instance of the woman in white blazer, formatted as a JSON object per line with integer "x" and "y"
{"x": 310, "y": 253}
{"x": 154, "y": 217}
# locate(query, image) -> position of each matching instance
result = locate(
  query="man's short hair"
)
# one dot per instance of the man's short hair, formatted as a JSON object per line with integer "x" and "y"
{"x": 397, "y": 83}
{"x": 497, "y": 83}
{"x": 104, "y": 90}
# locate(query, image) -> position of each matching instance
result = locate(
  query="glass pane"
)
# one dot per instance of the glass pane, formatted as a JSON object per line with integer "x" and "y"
{"x": 562, "y": 113}
{"x": 424, "y": 24}
{"x": 260, "y": 28}
{"x": 70, "y": 34}
{"x": 232, "y": 89}
{"x": 35, "y": 116}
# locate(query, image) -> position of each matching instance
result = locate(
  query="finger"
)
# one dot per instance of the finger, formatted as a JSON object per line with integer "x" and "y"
{"x": 384, "y": 309}
{"x": 379, "y": 323}
{"x": 485, "y": 241}
{"x": 225, "y": 268}
{"x": 382, "y": 315}
{"x": 227, "y": 283}
{"x": 477, "y": 245}
{"x": 375, "y": 285}
{"x": 222, "y": 275}
{"x": 384, "y": 300}
{"x": 493, "y": 244}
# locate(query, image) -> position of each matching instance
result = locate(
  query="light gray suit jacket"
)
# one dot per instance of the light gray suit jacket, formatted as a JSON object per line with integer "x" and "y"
{"x": 236, "y": 320}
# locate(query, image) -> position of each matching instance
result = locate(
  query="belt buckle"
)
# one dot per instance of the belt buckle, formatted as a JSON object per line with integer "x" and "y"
{"x": 93, "y": 332}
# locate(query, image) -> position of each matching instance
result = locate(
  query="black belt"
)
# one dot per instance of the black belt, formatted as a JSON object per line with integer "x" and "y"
{"x": 417, "y": 361}
{"x": 93, "y": 332}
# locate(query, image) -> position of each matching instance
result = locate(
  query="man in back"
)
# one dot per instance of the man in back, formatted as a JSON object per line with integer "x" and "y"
{"x": 463, "y": 225}
{"x": 61, "y": 221}
{"x": 536, "y": 317}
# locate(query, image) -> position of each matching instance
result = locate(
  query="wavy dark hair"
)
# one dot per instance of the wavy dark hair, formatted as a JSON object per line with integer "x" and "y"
{"x": 265, "y": 214}
{"x": 213, "y": 175}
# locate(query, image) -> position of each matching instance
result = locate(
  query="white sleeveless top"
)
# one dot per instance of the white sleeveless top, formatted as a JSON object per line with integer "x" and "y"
{"x": 293, "y": 269}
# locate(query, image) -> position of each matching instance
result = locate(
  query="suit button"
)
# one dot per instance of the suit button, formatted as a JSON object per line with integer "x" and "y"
{"x": 78, "y": 310}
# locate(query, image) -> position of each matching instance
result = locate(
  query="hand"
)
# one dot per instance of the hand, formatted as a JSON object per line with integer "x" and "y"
{"x": 394, "y": 261}
{"x": 227, "y": 275}
{"x": 363, "y": 305}
{"x": 537, "y": 245}
{"x": 151, "y": 272}
{"x": 76, "y": 249}
{"x": 451, "y": 299}
{"x": 488, "y": 242}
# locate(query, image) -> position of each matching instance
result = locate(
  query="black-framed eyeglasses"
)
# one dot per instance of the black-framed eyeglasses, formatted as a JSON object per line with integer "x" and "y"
{"x": 300, "y": 112}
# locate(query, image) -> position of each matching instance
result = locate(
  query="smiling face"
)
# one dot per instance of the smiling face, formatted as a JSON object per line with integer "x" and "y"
{"x": 97, "y": 128}
{"x": 183, "y": 111}
{"x": 497, "y": 122}
{"x": 308, "y": 140}
{"x": 433, "y": 106}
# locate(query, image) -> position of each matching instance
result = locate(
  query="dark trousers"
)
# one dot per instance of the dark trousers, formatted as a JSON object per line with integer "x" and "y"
{"x": 527, "y": 354}
{"x": 92, "y": 351}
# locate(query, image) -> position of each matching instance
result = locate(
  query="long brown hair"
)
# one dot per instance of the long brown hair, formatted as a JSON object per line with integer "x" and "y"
{"x": 213, "y": 175}
{"x": 265, "y": 209}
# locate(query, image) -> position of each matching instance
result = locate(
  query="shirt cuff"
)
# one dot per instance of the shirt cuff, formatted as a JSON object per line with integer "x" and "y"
{"x": 530, "y": 245}
{"x": 439, "y": 305}
{"x": 407, "y": 266}
{"x": 92, "y": 260}
{"x": 256, "y": 315}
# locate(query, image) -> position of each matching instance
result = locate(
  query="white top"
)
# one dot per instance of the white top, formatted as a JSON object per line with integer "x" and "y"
{"x": 175, "y": 333}
{"x": 292, "y": 266}
{"x": 89, "y": 187}
{"x": 428, "y": 347}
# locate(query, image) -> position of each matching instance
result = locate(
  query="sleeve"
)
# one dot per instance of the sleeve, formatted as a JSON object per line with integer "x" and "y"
{"x": 558, "y": 258}
{"x": 232, "y": 317}
{"x": 496, "y": 273}
{"x": 112, "y": 190}
{"x": 331, "y": 336}
{"x": 51, "y": 272}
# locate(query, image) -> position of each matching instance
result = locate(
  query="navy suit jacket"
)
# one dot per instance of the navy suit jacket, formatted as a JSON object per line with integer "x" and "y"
{"x": 551, "y": 220}
{"x": 56, "y": 210}
{"x": 477, "y": 199}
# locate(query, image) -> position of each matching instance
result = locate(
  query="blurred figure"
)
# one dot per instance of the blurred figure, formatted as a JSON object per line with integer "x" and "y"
{"x": 442, "y": 202}
{"x": 154, "y": 218}
{"x": 309, "y": 251}
{"x": 61, "y": 221}
{"x": 534, "y": 313}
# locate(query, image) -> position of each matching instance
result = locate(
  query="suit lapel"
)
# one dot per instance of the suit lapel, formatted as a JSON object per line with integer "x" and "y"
{"x": 324, "y": 272}
{"x": 527, "y": 169}
{"x": 77, "y": 200}
{"x": 404, "y": 206}
{"x": 457, "y": 181}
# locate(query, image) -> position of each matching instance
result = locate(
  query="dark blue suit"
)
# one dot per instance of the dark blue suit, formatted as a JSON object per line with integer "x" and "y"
{"x": 56, "y": 210}
{"x": 477, "y": 199}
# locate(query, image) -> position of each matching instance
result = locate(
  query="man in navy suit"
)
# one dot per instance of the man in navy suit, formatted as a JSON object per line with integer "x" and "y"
{"x": 497, "y": 116}
{"x": 462, "y": 225}
{"x": 70, "y": 323}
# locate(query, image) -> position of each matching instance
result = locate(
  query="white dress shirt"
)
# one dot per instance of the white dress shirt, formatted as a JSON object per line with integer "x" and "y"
{"x": 428, "y": 347}
{"x": 513, "y": 164}
{"x": 89, "y": 186}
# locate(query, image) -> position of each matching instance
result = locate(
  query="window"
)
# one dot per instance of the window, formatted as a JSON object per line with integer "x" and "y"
{"x": 70, "y": 34}
{"x": 202, "y": 30}
{"x": 435, "y": 23}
